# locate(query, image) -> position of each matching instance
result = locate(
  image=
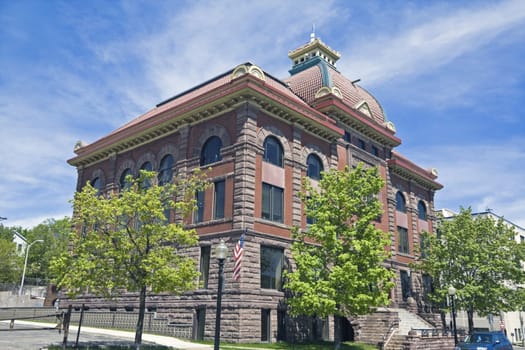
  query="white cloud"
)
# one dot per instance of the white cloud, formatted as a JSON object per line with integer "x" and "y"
{"x": 432, "y": 43}
{"x": 480, "y": 176}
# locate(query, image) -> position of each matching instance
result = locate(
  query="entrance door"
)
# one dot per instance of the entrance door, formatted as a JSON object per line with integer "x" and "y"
{"x": 199, "y": 323}
{"x": 406, "y": 289}
{"x": 265, "y": 325}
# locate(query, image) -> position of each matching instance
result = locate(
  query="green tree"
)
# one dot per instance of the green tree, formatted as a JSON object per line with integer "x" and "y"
{"x": 125, "y": 241}
{"x": 55, "y": 236}
{"x": 340, "y": 256}
{"x": 478, "y": 256}
{"x": 10, "y": 269}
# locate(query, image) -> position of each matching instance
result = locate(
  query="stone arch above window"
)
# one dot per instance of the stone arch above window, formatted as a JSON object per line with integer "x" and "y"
{"x": 314, "y": 166}
{"x": 401, "y": 204}
{"x": 313, "y": 149}
{"x": 168, "y": 149}
{"x": 274, "y": 132}
{"x": 273, "y": 151}
{"x": 98, "y": 173}
{"x": 422, "y": 213}
{"x": 147, "y": 158}
{"x": 212, "y": 130}
{"x": 211, "y": 151}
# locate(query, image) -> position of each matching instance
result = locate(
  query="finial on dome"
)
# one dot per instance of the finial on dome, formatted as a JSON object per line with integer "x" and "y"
{"x": 312, "y": 34}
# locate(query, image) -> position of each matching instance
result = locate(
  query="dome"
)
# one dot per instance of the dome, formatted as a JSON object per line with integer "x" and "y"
{"x": 314, "y": 74}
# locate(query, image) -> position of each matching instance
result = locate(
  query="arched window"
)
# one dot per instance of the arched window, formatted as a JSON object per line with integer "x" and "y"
{"x": 273, "y": 151}
{"x": 96, "y": 183}
{"x": 166, "y": 170}
{"x": 401, "y": 202}
{"x": 211, "y": 151}
{"x": 315, "y": 167}
{"x": 147, "y": 166}
{"x": 124, "y": 183}
{"x": 422, "y": 210}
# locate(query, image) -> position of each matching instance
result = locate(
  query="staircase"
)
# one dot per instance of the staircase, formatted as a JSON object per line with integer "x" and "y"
{"x": 409, "y": 320}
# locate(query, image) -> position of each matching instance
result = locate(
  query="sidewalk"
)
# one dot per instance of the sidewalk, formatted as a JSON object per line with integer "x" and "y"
{"x": 123, "y": 335}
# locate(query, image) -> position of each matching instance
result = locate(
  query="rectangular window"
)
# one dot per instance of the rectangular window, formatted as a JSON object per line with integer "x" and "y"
{"x": 218, "y": 200}
{"x": 423, "y": 246}
{"x": 361, "y": 144}
{"x": 199, "y": 213}
{"x": 272, "y": 203}
{"x": 271, "y": 267}
{"x": 204, "y": 268}
{"x": 375, "y": 151}
{"x": 347, "y": 137}
{"x": 402, "y": 240}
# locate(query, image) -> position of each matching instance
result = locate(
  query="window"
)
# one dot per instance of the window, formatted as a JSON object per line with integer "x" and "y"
{"x": 204, "y": 266}
{"x": 375, "y": 151}
{"x": 400, "y": 202}
{"x": 361, "y": 144}
{"x": 309, "y": 219}
{"x": 199, "y": 213}
{"x": 218, "y": 200}
{"x": 166, "y": 170}
{"x": 315, "y": 167}
{"x": 272, "y": 203}
{"x": 147, "y": 166}
{"x": 402, "y": 240}
{"x": 211, "y": 151}
{"x": 347, "y": 137}
{"x": 422, "y": 210}
{"x": 96, "y": 183}
{"x": 271, "y": 267}
{"x": 125, "y": 183}
{"x": 273, "y": 151}
{"x": 423, "y": 246}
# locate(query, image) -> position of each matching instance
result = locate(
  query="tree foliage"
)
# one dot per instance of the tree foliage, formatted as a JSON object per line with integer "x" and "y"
{"x": 55, "y": 236}
{"x": 339, "y": 257}
{"x": 478, "y": 256}
{"x": 10, "y": 268}
{"x": 125, "y": 241}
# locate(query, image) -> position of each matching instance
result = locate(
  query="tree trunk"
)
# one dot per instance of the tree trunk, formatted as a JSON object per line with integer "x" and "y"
{"x": 470, "y": 315}
{"x": 337, "y": 332}
{"x": 140, "y": 321}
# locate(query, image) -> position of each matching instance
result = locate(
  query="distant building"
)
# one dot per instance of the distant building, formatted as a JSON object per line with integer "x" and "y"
{"x": 21, "y": 243}
{"x": 261, "y": 135}
{"x": 511, "y": 322}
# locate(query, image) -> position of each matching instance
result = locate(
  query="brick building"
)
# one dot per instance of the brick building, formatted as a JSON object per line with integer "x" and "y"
{"x": 260, "y": 135}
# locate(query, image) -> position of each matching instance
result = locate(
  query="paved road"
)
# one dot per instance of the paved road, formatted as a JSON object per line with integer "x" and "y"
{"x": 33, "y": 336}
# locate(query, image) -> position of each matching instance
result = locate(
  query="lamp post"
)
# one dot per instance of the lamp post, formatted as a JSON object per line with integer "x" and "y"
{"x": 25, "y": 265}
{"x": 221, "y": 251}
{"x": 452, "y": 294}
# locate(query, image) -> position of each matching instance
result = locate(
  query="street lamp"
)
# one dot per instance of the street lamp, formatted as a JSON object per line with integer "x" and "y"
{"x": 221, "y": 251}
{"x": 25, "y": 265}
{"x": 452, "y": 294}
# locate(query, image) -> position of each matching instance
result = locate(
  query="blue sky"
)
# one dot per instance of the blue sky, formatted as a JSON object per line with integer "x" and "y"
{"x": 449, "y": 74}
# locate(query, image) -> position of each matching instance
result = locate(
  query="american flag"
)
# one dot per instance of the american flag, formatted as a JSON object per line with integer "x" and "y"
{"x": 237, "y": 256}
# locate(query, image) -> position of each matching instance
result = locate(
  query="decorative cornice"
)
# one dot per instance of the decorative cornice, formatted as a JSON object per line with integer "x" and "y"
{"x": 333, "y": 106}
{"x": 408, "y": 170}
{"x": 169, "y": 117}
